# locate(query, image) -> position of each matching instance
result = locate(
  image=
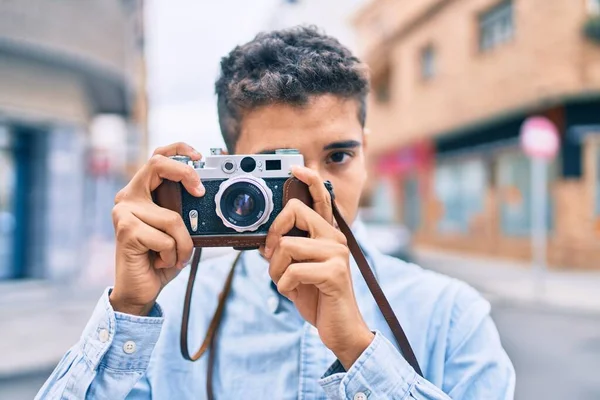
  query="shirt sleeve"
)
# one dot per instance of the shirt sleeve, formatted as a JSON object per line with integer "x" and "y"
{"x": 476, "y": 366}
{"x": 110, "y": 358}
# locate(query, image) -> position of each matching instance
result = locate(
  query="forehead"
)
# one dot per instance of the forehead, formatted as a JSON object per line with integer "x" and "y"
{"x": 323, "y": 120}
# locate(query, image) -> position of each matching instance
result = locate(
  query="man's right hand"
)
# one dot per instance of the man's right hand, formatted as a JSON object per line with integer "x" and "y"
{"x": 153, "y": 244}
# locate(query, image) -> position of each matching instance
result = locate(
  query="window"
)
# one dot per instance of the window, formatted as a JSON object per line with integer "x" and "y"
{"x": 411, "y": 211}
{"x": 496, "y": 26}
{"x": 428, "y": 62}
{"x": 514, "y": 184}
{"x": 460, "y": 188}
{"x": 383, "y": 203}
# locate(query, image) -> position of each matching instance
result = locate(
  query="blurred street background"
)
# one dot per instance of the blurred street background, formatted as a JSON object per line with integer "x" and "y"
{"x": 89, "y": 89}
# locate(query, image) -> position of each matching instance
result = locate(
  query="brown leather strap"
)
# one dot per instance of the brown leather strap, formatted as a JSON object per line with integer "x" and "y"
{"x": 212, "y": 332}
{"x": 216, "y": 319}
{"x": 212, "y": 353}
{"x": 377, "y": 292}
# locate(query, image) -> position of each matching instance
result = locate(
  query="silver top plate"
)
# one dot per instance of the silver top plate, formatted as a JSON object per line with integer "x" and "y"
{"x": 281, "y": 165}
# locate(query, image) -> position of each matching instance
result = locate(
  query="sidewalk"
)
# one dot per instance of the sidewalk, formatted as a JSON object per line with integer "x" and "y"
{"x": 516, "y": 282}
{"x": 41, "y": 320}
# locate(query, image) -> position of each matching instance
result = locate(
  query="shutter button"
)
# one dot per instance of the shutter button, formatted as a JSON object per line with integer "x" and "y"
{"x": 360, "y": 396}
{"x": 103, "y": 335}
{"x": 129, "y": 347}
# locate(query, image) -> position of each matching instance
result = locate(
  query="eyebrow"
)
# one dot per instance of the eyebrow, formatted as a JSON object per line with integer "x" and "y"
{"x": 346, "y": 144}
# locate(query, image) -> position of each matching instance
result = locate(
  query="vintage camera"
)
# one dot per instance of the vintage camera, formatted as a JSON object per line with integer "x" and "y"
{"x": 244, "y": 194}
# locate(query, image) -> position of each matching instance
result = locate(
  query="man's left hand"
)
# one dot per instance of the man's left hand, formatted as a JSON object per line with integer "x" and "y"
{"x": 314, "y": 271}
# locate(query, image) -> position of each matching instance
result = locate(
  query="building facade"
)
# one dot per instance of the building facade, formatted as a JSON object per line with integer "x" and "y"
{"x": 453, "y": 81}
{"x": 63, "y": 66}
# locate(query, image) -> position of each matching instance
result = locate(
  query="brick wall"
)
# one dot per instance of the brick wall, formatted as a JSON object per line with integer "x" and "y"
{"x": 574, "y": 242}
{"x": 547, "y": 58}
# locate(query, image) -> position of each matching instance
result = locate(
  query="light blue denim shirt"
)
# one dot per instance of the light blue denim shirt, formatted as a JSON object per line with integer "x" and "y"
{"x": 266, "y": 350}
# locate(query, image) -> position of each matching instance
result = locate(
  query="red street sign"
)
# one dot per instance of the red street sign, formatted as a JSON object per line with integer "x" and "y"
{"x": 539, "y": 138}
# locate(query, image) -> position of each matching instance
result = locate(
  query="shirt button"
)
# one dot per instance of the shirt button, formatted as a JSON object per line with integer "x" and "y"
{"x": 129, "y": 347}
{"x": 360, "y": 396}
{"x": 272, "y": 303}
{"x": 103, "y": 335}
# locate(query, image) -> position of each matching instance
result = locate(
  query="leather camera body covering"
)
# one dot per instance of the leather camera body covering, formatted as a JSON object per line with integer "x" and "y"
{"x": 210, "y": 230}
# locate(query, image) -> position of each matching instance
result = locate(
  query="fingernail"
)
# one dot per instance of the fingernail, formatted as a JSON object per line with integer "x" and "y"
{"x": 267, "y": 252}
{"x": 293, "y": 295}
{"x": 201, "y": 190}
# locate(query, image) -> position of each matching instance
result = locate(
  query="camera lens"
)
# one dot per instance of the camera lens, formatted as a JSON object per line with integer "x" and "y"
{"x": 243, "y": 204}
{"x": 248, "y": 164}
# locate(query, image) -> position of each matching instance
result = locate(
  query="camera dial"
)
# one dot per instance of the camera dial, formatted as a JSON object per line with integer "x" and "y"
{"x": 228, "y": 166}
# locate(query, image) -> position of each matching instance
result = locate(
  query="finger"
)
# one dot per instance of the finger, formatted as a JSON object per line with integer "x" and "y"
{"x": 180, "y": 148}
{"x": 158, "y": 262}
{"x": 170, "y": 223}
{"x": 298, "y": 214}
{"x": 328, "y": 278}
{"x": 162, "y": 244}
{"x": 298, "y": 249}
{"x": 130, "y": 230}
{"x": 160, "y": 167}
{"x": 261, "y": 250}
{"x": 318, "y": 191}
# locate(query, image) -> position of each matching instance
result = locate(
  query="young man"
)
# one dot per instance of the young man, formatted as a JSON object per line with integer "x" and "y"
{"x": 307, "y": 328}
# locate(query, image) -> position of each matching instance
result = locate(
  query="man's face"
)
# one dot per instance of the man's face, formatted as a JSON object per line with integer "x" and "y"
{"x": 328, "y": 134}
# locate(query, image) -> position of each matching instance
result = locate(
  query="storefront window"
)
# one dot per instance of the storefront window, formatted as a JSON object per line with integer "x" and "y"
{"x": 460, "y": 188}
{"x": 514, "y": 179}
{"x": 7, "y": 214}
{"x": 514, "y": 182}
{"x": 412, "y": 204}
{"x": 383, "y": 202}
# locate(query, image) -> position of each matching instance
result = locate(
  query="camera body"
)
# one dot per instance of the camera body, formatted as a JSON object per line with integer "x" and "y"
{"x": 244, "y": 194}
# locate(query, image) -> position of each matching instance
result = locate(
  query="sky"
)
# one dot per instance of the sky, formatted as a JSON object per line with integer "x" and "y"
{"x": 185, "y": 42}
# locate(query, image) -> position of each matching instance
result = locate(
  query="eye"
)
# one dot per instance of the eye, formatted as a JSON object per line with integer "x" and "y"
{"x": 339, "y": 157}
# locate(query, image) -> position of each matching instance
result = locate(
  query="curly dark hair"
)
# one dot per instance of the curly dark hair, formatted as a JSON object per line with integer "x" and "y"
{"x": 286, "y": 66}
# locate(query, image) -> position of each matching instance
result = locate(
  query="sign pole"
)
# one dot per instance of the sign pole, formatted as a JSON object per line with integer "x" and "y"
{"x": 539, "y": 212}
{"x": 540, "y": 141}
